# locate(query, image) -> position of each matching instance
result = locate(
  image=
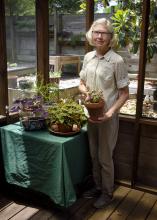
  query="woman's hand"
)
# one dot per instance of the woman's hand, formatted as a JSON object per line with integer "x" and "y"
{"x": 87, "y": 97}
{"x": 123, "y": 96}
{"x": 107, "y": 116}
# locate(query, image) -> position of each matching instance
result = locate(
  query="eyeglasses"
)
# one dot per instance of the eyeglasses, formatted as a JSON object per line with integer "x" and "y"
{"x": 103, "y": 34}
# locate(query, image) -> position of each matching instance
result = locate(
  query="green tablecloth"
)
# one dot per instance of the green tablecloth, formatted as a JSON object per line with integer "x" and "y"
{"x": 45, "y": 162}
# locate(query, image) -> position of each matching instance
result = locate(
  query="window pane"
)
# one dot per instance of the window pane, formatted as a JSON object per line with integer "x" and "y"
{"x": 150, "y": 86}
{"x": 21, "y": 48}
{"x": 66, "y": 45}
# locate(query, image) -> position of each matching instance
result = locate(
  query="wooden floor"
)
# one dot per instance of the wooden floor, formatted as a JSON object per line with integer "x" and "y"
{"x": 127, "y": 204}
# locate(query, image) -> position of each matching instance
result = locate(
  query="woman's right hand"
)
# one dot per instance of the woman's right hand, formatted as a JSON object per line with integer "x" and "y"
{"x": 87, "y": 97}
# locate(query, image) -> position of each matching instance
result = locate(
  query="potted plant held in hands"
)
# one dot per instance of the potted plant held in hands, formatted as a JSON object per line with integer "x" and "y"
{"x": 66, "y": 117}
{"x": 95, "y": 105}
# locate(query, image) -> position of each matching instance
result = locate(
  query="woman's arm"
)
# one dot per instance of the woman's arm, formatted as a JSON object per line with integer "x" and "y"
{"x": 123, "y": 96}
{"x": 82, "y": 87}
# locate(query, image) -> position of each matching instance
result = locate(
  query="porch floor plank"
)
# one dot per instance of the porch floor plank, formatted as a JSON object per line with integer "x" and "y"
{"x": 10, "y": 211}
{"x": 120, "y": 193}
{"x": 128, "y": 204}
{"x": 42, "y": 215}
{"x": 25, "y": 213}
{"x": 153, "y": 213}
{"x": 143, "y": 207}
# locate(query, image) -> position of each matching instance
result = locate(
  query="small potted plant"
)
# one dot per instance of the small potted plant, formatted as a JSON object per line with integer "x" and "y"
{"x": 54, "y": 77}
{"x": 25, "y": 84}
{"x": 66, "y": 117}
{"x": 95, "y": 104}
{"x": 31, "y": 113}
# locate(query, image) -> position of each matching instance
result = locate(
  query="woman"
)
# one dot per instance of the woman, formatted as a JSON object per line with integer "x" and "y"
{"x": 104, "y": 70}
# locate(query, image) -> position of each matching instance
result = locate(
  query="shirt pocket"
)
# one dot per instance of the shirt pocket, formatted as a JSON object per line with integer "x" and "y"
{"x": 106, "y": 74}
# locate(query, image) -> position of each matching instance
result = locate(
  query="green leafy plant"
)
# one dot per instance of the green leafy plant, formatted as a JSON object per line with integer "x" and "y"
{"x": 122, "y": 21}
{"x": 127, "y": 26}
{"x": 25, "y": 84}
{"x": 54, "y": 77}
{"x": 95, "y": 96}
{"x": 49, "y": 92}
{"x": 76, "y": 39}
{"x": 11, "y": 64}
{"x": 71, "y": 39}
{"x": 67, "y": 112}
{"x": 55, "y": 74}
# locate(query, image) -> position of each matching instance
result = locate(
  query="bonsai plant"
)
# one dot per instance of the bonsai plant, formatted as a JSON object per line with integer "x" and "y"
{"x": 95, "y": 104}
{"x": 66, "y": 116}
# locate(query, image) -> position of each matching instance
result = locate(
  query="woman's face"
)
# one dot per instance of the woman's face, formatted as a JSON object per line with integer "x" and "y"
{"x": 101, "y": 36}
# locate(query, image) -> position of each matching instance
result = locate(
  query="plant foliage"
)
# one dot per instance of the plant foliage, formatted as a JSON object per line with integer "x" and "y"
{"x": 68, "y": 113}
{"x": 127, "y": 24}
{"x": 49, "y": 92}
{"x": 66, "y": 6}
{"x": 20, "y": 7}
{"x": 95, "y": 96}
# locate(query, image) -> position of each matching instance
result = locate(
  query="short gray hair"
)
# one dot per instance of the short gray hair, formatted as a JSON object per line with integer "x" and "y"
{"x": 107, "y": 24}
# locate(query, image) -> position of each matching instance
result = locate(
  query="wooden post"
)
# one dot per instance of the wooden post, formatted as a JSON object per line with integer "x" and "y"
{"x": 140, "y": 89}
{"x": 42, "y": 31}
{"x": 3, "y": 61}
{"x": 89, "y": 20}
{"x": 56, "y": 49}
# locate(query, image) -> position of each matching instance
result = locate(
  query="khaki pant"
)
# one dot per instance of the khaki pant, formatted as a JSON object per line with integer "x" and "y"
{"x": 102, "y": 141}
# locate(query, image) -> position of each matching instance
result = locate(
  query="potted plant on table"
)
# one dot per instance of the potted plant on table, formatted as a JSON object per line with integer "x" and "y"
{"x": 66, "y": 117}
{"x": 31, "y": 113}
{"x": 95, "y": 105}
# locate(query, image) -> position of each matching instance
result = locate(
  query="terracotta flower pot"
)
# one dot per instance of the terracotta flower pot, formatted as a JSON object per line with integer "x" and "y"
{"x": 64, "y": 128}
{"x": 95, "y": 110}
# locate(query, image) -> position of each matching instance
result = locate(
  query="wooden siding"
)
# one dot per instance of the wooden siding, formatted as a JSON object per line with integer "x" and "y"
{"x": 124, "y": 153}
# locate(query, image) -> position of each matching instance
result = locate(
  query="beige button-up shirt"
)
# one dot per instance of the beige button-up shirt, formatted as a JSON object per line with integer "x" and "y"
{"x": 107, "y": 74}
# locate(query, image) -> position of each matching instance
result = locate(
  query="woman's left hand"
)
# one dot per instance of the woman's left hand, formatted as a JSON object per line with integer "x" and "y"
{"x": 107, "y": 116}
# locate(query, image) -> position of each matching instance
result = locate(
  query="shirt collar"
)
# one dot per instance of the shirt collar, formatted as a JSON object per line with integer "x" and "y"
{"x": 107, "y": 55}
